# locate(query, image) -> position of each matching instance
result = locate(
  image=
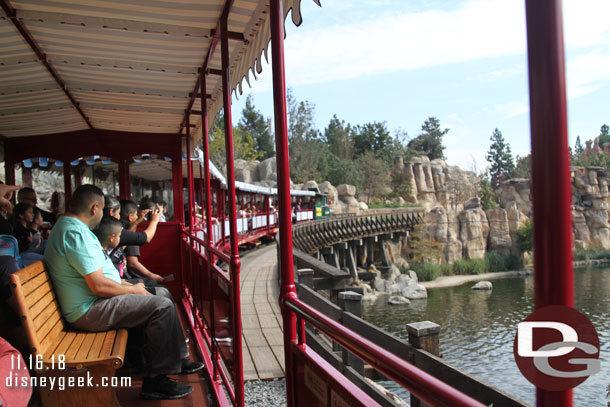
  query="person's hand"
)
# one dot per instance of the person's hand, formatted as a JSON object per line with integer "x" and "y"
{"x": 139, "y": 289}
{"x": 157, "y": 278}
{"x": 6, "y": 193}
{"x": 155, "y": 216}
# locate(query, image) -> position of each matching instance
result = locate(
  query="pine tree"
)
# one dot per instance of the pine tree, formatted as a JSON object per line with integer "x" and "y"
{"x": 500, "y": 159}
{"x": 578, "y": 148}
{"x": 430, "y": 141}
{"x": 253, "y": 122}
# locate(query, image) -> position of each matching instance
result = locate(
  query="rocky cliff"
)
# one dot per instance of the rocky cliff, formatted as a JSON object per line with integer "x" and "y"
{"x": 264, "y": 173}
{"x": 465, "y": 230}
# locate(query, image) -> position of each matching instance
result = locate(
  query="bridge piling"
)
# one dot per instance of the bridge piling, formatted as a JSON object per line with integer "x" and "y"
{"x": 424, "y": 335}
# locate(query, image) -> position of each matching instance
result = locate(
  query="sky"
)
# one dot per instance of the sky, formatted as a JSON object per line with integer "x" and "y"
{"x": 461, "y": 61}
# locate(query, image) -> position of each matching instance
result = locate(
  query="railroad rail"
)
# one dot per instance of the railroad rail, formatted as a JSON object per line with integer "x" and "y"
{"x": 311, "y": 237}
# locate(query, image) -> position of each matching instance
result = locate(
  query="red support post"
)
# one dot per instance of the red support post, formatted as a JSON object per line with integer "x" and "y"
{"x": 124, "y": 181}
{"x": 177, "y": 181}
{"x": 288, "y": 289}
{"x": 67, "y": 184}
{"x": 235, "y": 262}
{"x": 551, "y": 184}
{"x": 189, "y": 169}
{"x": 209, "y": 240}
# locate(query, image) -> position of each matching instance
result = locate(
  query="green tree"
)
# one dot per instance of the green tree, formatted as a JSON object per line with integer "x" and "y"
{"x": 243, "y": 144}
{"x": 578, "y": 148}
{"x": 373, "y": 137}
{"x": 374, "y": 174}
{"x": 430, "y": 141}
{"x": 523, "y": 167}
{"x": 339, "y": 138}
{"x": 486, "y": 194}
{"x": 604, "y": 137}
{"x": 253, "y": 122}
{"x": 500, "y": 159}
{"x": 525, "y": 236}
{"x": 300, "y": 119}
{"x": 400, "y": 183}
{"x": 342, "y": 171}
{"x": 309, "y": 155}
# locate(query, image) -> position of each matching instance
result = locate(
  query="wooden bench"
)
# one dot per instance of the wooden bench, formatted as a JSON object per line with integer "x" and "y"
{"x": 89, "y": 356}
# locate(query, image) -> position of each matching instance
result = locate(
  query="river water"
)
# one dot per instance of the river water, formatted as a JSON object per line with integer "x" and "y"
{"x": 478, "y": 329}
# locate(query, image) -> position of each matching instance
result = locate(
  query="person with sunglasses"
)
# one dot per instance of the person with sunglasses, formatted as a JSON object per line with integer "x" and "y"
{"x": 28, "y": 195}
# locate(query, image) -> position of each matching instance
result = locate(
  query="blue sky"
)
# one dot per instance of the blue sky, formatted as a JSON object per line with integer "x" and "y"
{"x": 463, "y": 62}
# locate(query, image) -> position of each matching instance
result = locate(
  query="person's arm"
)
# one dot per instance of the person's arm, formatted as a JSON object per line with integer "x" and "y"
{"x": 133, "y": 262}
{"x": 139, "y": 220}
{"x": 150, "y": 231}
{"x": 104, "y": 287}
{"x": 129, "y": 238}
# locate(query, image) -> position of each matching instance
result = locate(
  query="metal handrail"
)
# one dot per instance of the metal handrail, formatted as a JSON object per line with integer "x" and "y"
{"x": 423, "y": 385}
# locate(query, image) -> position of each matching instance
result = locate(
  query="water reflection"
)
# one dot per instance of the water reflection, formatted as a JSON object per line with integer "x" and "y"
{"x": 478, "y": 329}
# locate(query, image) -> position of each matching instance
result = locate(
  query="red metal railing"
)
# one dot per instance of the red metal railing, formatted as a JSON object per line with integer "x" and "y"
{"x": 418, "y": 382}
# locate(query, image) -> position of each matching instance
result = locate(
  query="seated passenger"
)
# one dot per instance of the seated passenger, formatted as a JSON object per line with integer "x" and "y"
{"x": 36, "y": 227}
{"x": 108, "y": 233}
{"x": 28, "y": 195}
{"x": 159, "y": 206}
{"x": 30, "y": 252}
{"x": 92, "y": 299}
{"x": 130, "y": 216}
{"x": 128, "y": 210}
{"x": 6, "y": 207}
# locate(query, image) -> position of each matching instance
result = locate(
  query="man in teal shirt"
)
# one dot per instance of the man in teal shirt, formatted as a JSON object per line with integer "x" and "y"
{"x": 93, "y": 301}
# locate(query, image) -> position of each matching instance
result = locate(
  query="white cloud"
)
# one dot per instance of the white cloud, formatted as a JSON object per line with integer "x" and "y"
{"x": 587, "y": 73}
{"x": 407, "y": 41}
{"x": 455, "y": 117}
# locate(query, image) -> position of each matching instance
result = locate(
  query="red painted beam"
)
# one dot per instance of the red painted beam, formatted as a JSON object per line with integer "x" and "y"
{"x": 235, "y": 264}
{"x": 288, "y": 289}
{"x": 209, "y": 55}
{"x": 11, "y": 13}
{"x": 551, "y": 184}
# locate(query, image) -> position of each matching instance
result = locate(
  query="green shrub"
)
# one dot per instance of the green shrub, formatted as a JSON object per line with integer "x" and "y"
{"x": 470, "y": 266}
{"x": 495, "y": 262}
{"x": 514, "y": 263}
{"x": 525, "y": 236}
{"x": 446, "y": 269}
{"x": 426, "y": 271}
{"x": 591, "y": 254}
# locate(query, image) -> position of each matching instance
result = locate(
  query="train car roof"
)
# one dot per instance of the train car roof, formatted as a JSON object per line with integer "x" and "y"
{"x": 246, "y": 187}
{"x": 128, "y": 66}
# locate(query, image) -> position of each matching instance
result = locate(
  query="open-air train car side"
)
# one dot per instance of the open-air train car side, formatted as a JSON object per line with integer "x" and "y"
{"x": 122, "y": 79}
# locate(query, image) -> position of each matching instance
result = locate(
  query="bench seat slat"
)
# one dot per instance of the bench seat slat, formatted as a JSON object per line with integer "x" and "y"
{"x": 42, "y": 304}
{"x": 83, "y": 352}
{"x": 94, "y": 352}
{"x": 50, "y": 338}
{"x": 106, "y": 348}
{"x": 48, "y": 315}
{"x": 30, "y": 272}
{"x": 34, "y": 283}
{"x": 62, "y": 343}
{"x": 39, "y": 293}
{"x": 76, "y": 345}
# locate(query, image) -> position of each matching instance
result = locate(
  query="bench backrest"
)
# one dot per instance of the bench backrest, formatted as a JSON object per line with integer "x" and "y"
{"x": 38, "y": 306}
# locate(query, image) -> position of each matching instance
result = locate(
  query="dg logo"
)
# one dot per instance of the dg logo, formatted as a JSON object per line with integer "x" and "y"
{"x": 556, "y": 348}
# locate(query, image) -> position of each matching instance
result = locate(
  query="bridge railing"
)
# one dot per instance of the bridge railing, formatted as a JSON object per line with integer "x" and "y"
{"x": 312, "y": 236}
